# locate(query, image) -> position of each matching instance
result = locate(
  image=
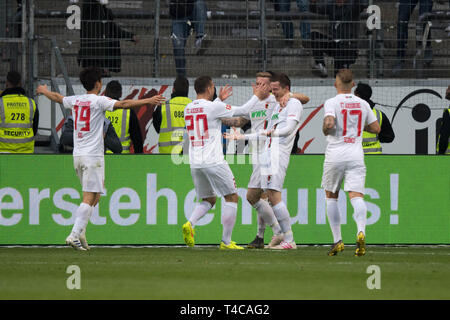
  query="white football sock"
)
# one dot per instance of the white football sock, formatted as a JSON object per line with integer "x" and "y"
{"x": 261, "y": 226}
{"x": 82, "y": 218}
{"x": 83, "y": 233}
{"x": 228, "y": 220}
{"x": 284, "y": 219}
{"x": 267, "y": 214}
{"x": 360, "y": 214}
{"x": 334, "y": 218}
{"x": 199, "y": 211}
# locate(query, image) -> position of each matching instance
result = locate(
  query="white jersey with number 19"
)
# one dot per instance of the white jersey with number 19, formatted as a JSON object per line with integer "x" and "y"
{"x": 351, "y": 114}
{"x": 88, "y": 111}
{"x": 204, "y": 127}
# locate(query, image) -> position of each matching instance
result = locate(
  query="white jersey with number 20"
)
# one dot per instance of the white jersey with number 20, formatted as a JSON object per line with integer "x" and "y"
{"x": 351, "y": 114}
{"x": 204, "y": 127}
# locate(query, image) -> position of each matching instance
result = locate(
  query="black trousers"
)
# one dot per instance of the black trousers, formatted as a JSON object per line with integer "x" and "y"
{"x": 344, "y": 52}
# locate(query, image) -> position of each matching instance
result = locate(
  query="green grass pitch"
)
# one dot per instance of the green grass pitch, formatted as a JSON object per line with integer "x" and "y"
{"x": 406, "y": 272}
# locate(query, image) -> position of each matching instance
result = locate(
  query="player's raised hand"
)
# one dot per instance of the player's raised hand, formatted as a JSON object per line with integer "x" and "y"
{"x": 233, "y": 135}
{"x": 156, "y": 100}
{"x": 225, "y": 92}
{"x": 41, "y": 89}
{"x": 260, "y": 90}
{"x": 284, "y": 100}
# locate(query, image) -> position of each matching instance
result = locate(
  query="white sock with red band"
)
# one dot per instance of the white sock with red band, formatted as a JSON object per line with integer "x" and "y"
{"x": 334, "y": 218}
{"x": 360, "y": 215}
{"x": 199, "y": 211}
{"x": 228, "y": 220}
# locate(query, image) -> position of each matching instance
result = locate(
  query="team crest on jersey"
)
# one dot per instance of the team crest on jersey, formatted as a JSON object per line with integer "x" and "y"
{"x": 228, "y": 107}
{"x": 267, "y": 106}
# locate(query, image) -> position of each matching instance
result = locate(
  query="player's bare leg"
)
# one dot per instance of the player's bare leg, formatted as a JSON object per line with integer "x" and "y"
{"x": 83, "y": 214}
{"x": 334, "y": 219}
{"x": 360, "y": 216}
{"x": 286, "y": 241}
{"x": 228, "y": 220}
{"x": 199, "y": 211}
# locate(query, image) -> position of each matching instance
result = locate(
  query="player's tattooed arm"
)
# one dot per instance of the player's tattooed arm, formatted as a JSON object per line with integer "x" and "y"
{"x": 155, "y": 100}
{"x": 54, "y": 96}
{"x": 373, "y": 127}
{"x": 234, "y": 122}
{"x": 328, "y": 125}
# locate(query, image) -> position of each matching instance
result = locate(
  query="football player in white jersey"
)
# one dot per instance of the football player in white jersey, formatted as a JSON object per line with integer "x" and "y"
{"x": 210, "y": 172}
{"x": 346, "y": 117}
{"x": 258, "y": 110}
{"x": 279, "y": 138}
{"x": 88, "y": 112}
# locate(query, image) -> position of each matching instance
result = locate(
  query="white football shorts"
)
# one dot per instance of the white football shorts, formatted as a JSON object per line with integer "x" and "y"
{"x": 213, "y": 181}
{"x": 353, "y": 173}
{"x": 91, "y": 172}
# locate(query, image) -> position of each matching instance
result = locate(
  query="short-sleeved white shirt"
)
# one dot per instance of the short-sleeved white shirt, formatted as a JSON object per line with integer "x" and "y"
{"x": 88, "y": 112}
{"x": 351, "y": 114}
{"x": 204, "y": 128}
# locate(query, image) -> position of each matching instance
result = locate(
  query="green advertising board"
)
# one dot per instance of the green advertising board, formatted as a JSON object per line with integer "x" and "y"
{"x": 149, "y": 197}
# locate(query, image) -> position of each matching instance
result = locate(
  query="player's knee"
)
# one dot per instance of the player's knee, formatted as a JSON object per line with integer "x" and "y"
{"x": 252, "y": 199}
{"x": 211, "y": 200}
{"x": 232, "y": 198}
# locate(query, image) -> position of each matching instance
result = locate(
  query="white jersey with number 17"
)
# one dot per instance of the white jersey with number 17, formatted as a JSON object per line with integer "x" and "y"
{"x": 351, "y": 114}
{"x": 204, "y": 127}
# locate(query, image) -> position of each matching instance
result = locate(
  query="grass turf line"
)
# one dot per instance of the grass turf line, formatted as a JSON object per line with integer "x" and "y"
{"x": 209, "y": 273}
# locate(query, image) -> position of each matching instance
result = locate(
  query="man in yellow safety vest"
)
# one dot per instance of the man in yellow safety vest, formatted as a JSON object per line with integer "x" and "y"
{"x": 371, "y": 141}
{"x": 168, "y": 119}
{"x": 19, "y": 117}
{"x": 124, "y": 121}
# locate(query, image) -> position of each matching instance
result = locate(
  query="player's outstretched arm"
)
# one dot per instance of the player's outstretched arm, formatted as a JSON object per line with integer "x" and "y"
{"x": 328, "y": 125}
{"x": 373, "y": 127}
{"x": 54, "y": 96}
{"x": 234, "y": 122}
{"x": 155, "y": 100}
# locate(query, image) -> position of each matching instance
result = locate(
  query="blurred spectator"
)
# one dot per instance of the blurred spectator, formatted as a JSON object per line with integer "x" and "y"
{"x": 111, "y": 139}
{"x": 341, "y": 40}
{"x": 19, "y": 117}
{"x": 371, "y": 141}
{"x": 124, "y": 121}
{"x": 168, "y": 119}
{"x": 405, "y": 9}
{"x": 443, "y": 145}
{"x": 187, "y": 15}
{"x": 100, "y": 38}
{"x": 288, "y": 26}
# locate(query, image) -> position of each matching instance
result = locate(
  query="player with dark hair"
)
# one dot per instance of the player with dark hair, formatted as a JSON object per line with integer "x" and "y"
{"x": 210, "y": 172}
{"x": 278, "y": 137}
{"x": 88, "y": 112}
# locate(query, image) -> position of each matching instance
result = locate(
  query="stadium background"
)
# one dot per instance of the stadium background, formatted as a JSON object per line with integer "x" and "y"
{"x": 245, "y": 37}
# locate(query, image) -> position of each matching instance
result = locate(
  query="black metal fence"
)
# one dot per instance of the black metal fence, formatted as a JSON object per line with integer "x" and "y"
{"x": 162, "y": 38}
